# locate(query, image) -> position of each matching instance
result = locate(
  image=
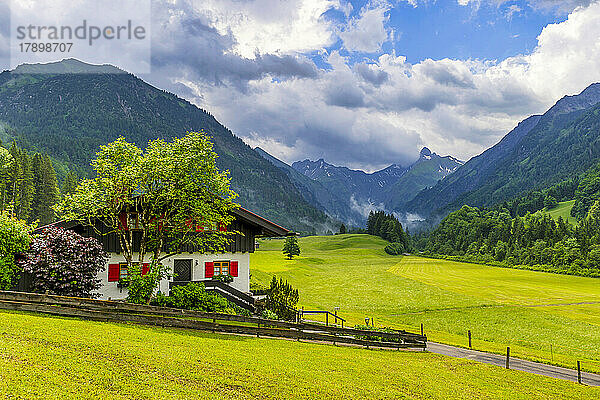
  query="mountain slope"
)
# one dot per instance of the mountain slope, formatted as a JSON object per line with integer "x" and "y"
{"x": 426, "y": 172}
{"x": 69, "y": 115}
{"x": 540, "y": 151}
{"x": 317, "y": 194}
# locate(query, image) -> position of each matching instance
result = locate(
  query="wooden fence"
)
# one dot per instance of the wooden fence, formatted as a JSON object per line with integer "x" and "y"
{"x": 116, "y": 311}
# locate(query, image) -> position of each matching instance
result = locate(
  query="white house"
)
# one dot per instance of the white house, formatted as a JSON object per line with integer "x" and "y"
{"x": 188, "y": 266}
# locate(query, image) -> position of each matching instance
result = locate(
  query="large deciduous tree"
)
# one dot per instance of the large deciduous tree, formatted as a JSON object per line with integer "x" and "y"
{"x": 172, "y": 193}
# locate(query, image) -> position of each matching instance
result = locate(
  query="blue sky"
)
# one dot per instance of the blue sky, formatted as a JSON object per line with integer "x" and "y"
{"x": 446, "y": 29}
{"x": 368, "y": 83}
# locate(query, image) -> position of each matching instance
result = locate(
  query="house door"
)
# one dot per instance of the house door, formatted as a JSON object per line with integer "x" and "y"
{"x": 182, "y": 270}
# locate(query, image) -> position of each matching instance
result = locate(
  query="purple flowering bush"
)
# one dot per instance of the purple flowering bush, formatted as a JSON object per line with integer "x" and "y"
{"x": 65, "y": 263}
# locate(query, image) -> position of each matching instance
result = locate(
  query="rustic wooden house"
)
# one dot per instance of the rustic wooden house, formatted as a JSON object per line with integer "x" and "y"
{"x": 189, "y": 265}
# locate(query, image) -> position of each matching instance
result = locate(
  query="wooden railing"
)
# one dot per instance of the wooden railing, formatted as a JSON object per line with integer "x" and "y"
{"x": 327, "y": 314}
{"x": 116, "y": 311}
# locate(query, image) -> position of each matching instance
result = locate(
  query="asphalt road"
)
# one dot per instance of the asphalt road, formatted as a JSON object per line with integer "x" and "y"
{"x": 515, "y": 363}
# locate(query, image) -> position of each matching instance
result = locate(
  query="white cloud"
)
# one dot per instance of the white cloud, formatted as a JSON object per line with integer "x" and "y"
{"x": 350, "y": 115}
{"x": 272, "y": 26}
{"x": 512, "y": 10}
{"x": 366, "y": 33}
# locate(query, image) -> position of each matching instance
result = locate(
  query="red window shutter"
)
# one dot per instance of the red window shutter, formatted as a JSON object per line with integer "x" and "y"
{"x": 114, "y": 272}
{"x": 123, "y": 219}
{"x": 233, "y": 268}
{"x": 145, "y": 268}
{"x": 209, "y": 269}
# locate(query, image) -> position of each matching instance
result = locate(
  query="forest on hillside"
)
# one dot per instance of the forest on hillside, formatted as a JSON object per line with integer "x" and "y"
{"x": 28, "y": 185}
{"x": 535, "y": 241}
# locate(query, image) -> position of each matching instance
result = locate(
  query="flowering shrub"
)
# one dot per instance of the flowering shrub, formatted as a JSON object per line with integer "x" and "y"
{"x": 64, "y": 263}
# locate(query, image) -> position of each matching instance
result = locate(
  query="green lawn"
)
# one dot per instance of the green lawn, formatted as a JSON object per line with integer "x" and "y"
{"x": 563, "y": 210}
{"x": 502, "y": 307}
{"x": 43, "y": 357}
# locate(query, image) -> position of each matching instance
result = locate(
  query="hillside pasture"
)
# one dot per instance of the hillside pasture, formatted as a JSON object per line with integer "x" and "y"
{"x": 544, "y": 317}
{"x": 563, "y": 209}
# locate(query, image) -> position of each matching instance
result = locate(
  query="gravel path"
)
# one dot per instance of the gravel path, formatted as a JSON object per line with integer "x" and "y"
{"x": 515, "y": 363}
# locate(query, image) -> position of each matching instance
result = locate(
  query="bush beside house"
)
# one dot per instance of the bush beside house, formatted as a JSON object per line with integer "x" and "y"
{"x": 65, "y": 263}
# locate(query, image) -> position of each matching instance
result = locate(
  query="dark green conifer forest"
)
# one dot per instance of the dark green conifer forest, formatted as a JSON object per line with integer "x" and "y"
{"x": 387, "y": 227}
{"x": 28, "y": 184}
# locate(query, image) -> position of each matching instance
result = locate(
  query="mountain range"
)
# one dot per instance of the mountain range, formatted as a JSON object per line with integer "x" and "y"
{"x": 68, "y": 109}
{"x": 349, "y": 195}
{"x": 48, "y": 107}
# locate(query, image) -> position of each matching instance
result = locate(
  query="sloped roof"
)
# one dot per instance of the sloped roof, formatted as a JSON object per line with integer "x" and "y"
{"x": 266, "y": 227}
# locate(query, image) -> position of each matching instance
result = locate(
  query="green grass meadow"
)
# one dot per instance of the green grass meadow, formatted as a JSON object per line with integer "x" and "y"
{"x": 44, "y": 357}
{"x": 532, "y": 312}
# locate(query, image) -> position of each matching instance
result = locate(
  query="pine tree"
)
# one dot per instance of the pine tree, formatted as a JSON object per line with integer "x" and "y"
{"x": 20, "y": 183}
{"x": 70, "y": 183}
{"x": 46, "y": 189}
{"x": 6, "y": 161}
{"x": 291, "y": 247}
{"x": 371, "y": 223}
{"x": 342, "y": 229}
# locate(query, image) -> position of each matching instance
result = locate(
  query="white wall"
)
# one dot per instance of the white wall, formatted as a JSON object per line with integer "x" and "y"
{"x": 240, "y": 282}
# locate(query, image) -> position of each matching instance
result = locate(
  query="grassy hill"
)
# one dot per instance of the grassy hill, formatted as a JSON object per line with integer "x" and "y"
{"x": 563, "y": 210}
{"x": 526, "y": 310}
{"x": 44, "y": 357}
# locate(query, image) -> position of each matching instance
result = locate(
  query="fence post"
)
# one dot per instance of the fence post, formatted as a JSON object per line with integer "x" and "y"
{"x": 470, "y": 340}
{"x": 507, "y": 357}
{"x": 327, "y": 318}
{"x": 578, "y": 372}
{"x": 551, "y": 354}
{"x": 421, "y": 329}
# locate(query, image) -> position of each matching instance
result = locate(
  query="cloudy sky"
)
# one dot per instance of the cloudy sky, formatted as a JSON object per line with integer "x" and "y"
{"x": 368, "y": 83}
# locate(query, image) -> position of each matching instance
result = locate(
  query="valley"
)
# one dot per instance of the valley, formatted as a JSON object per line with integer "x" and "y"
{"x": 300, "y": 199}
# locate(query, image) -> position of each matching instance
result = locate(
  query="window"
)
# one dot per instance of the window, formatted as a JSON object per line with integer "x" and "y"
{"x": 116, "y": 272}
{"x": 122, "y": 270}
{"x": 133, "y": 221}
{"x": 221, "y": 267}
